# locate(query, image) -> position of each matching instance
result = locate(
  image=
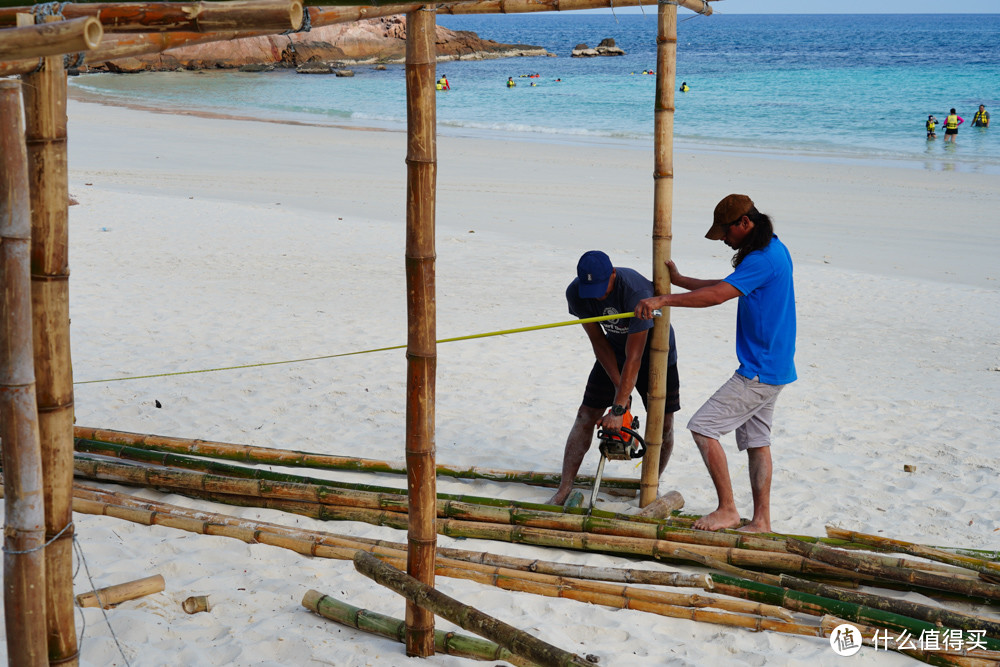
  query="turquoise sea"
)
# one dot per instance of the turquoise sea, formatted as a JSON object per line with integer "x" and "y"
{"x": 824, "y": 87}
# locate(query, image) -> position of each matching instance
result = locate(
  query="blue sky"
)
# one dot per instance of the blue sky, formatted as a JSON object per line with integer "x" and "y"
{"x": 845, "y": 7}
{"x": 856, "y": 7}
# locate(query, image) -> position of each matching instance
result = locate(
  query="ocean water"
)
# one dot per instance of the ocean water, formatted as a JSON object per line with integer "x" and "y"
{"x": 825, "y": 87}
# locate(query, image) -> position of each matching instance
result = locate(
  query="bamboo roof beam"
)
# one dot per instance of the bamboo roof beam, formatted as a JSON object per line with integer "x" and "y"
{"x": 202, "y": 17}
{"x": 484, "y": 7}
{"x": 50, "y": 39}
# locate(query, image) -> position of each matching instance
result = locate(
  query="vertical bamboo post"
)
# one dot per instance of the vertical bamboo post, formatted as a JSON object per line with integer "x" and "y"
{"x": 663, "y": 194}
{"x": 45, "y": 130}
{"x": 421, "y": 350}
{"x": 24, "y": 501}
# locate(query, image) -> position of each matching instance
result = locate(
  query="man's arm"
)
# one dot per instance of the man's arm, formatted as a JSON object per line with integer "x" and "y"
{"x": 704, "y": 297}
{"x": 686, "y": 282}
{"x": 635, "y": 345}
{"x": 603, "y": 351}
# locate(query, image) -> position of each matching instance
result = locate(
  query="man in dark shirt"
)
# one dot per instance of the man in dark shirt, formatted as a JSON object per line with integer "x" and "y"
{"x": 621, "y": 347}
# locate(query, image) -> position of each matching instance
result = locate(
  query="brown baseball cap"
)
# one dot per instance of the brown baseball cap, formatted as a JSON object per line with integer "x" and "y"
{"x": 727, "y": 211}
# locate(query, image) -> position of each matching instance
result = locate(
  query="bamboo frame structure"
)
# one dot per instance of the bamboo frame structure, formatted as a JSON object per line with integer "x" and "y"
{"x": 663, "y": 189}
{"x": 50, "y": 39}
{"x": 421, "y": 310}
{"x": 119, "y": 17}
{"x": 44, "y": 95}
{"x": 24, "y": 506}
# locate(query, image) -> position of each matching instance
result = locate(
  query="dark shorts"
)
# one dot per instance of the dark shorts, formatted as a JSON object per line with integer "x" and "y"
{"x": 600, "y": 391}
{"x": 955, "y": 131}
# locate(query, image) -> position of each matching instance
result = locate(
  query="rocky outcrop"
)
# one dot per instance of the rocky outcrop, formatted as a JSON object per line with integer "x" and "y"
{"x": 367, "y": 41}
{"x": 605, "y": 48}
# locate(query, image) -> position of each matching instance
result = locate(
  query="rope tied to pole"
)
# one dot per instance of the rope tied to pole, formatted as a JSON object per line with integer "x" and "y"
{"x": 46, "y": 9}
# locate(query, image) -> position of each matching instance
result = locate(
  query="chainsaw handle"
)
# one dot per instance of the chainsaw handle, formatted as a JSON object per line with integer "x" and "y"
{"x": 641, "y": 449}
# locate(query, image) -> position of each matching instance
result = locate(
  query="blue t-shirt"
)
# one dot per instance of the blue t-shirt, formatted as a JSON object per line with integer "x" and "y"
{"x": 765, "y": 319}
{"x": 630, "y": 288}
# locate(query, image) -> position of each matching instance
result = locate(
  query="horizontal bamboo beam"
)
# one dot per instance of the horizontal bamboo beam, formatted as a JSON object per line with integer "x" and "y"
{"x": 50, "y": 39}
{"x": 527, "y": 6}
{"x": 118, "y": 17}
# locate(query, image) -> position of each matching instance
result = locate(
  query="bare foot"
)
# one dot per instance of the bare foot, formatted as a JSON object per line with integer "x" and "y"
{"x": 559, "y": 498}
{"x": 718, "y": 520}
{"x": 755, "y": 527}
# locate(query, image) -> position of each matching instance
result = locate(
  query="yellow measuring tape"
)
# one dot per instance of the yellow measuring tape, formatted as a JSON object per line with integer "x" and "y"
{"x": 601, "y": 318}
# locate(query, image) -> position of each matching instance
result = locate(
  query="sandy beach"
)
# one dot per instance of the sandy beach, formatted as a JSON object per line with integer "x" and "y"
{"x": 210, "y": 242}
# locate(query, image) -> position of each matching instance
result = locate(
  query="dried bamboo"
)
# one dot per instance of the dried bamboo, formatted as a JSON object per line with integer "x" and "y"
{"x": 421, "y": 316}
{"x": 205, "y": 465}
{"x": 899, "y": 546}
{"x": 296, "y": 459}
{"x": 449, "y": 643}
{"x": 523, "y": 6}
{"x": 516, "y": 641}
{"x": 195, "y": 604}
{"x": 109, "y": 596}
{"x": 863, "y": 563}
{"x": 117, "y": 17}
{"x": 663, "y": 191}
{"x": 50, "y": 39}
{"x": 24, "y": 508}
{"x": 45, "y": 134}
{"x": 331, "y": 498}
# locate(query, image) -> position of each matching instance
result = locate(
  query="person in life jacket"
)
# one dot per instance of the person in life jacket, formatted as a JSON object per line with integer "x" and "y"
{"x": 684, "y": 87}
{"x": 510, "y": 82}
{"x": 951, "y": 124}
{"x": 982, "y": 117}
{"x": 931, "y": 124}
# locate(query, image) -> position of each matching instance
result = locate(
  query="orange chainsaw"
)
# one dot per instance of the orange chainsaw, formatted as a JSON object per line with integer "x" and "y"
{"x": 621, "y": 445}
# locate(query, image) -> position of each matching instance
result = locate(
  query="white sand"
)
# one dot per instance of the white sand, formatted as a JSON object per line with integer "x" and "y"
{"x": 201, "y": 243}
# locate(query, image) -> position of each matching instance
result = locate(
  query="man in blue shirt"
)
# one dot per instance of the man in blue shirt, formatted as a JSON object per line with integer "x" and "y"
{"x": 621, "y": 347}
{"x": 765, "y": 347}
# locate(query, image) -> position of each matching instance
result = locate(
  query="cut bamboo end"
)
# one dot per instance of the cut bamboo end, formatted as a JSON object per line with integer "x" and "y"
{"x": 111, "y": 595}
{"x": 50, "y": 39}
{"x": 195, "y": 604}
{"x": 663, "y": 506}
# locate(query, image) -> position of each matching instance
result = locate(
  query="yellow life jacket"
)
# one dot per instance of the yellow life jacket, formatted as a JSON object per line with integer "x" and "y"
{"x": 511, "y": 84}
{"x": 980, "y": 118}
{"x": 931, "y": 125}
{"x": 951, "y": 122}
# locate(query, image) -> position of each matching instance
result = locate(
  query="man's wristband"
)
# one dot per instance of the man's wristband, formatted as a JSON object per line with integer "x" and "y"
{"x": 617, "y": 410}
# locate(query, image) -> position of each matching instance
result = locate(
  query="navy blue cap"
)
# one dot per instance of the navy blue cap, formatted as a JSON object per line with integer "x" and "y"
{"x": 594, "y": 271}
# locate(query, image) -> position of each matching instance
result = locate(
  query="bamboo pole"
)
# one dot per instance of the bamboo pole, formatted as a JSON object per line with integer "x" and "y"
{"x": 118, "y": 17}
{"x": 663, "y": 189}
{"x": 900, "y": 546}
{"x": 865, "y": 564}
{"x": 45, "y": 113}
{"x": 449, "y": 643}
{"x": 421, "y": 348}
{"x": 523, "y": 6}
{"x": 516, "y": 641}
{"x": 298, "y": 459}
{"x": 50, "y": 39}
{"x": 109, "y": 596}
{"x": 24, "y": 506}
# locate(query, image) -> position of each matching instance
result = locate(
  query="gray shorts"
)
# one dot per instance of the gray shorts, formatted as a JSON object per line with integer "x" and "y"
{"x": 743, "y": 405}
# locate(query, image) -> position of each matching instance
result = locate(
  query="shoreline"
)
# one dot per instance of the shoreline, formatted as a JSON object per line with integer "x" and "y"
{"x": 795, "y": 153}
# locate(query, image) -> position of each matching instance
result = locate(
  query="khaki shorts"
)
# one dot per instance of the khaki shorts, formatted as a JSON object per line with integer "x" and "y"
{"x": 743, "y": 405}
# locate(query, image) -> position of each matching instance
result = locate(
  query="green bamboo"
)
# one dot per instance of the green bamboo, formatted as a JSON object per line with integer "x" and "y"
{"x": 817, "y": 606}
{"x": 449, "y": 643}
{"x": 900, "y": 546}
{"x": 297, "y": 459}
{"x": 862, "y": 563}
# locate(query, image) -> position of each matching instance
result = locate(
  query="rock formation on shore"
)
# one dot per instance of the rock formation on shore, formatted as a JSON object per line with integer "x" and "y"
{"x": 605, "y": 48}
{"x": 369, "y": 40}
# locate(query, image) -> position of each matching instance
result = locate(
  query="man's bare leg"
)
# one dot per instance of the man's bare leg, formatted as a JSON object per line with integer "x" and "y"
{"x": 577, "y": 444}
{"x": 760, "y": 485}
{"x": 726, "y": 515}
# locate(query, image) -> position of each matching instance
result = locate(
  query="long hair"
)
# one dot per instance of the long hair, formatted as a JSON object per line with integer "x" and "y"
{"x": 759, "y": 237}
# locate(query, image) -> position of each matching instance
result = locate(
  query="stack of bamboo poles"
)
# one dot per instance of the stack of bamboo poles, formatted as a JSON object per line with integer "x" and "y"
{"x": 768, "y": 576}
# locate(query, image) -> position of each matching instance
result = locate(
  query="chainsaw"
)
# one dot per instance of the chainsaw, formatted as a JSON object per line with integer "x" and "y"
{"x": 621, "y": 445}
